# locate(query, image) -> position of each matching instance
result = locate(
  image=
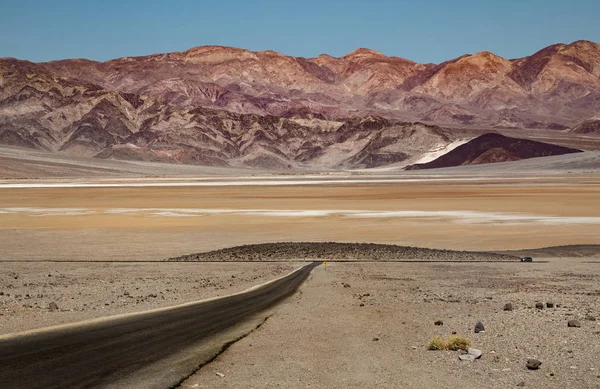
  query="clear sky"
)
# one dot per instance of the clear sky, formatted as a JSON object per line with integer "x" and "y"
{"x": 423, "y": 31}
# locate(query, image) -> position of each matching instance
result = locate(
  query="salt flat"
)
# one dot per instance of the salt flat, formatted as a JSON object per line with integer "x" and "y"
{"x": 128, "y": 222}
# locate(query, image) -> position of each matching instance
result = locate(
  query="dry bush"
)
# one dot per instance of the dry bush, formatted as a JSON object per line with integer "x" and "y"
{"x": 456, "y": 343}
{"x": 453, "y": 343}
{"x": 437, "y": 343}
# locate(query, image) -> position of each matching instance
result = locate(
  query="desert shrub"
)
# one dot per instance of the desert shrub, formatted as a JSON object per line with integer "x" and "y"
{"x": 437, "y": 343}
{"x": 453, "y": 343}
{"x": 456, "y": 343}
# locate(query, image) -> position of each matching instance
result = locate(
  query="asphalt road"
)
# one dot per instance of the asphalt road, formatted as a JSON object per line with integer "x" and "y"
{"x": 146, "y": 350}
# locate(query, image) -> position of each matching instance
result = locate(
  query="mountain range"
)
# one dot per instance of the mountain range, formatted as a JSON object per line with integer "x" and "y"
{"x": 224, "y": 106}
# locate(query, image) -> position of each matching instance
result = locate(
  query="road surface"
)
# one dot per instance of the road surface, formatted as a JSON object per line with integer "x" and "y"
{"x": 153, "y": 349}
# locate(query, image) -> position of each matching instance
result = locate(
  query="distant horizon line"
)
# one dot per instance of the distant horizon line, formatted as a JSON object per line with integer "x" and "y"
{"x": 356, "y": 51}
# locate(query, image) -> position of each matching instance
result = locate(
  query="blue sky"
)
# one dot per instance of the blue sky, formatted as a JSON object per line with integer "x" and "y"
{"x": 423, "y": 31}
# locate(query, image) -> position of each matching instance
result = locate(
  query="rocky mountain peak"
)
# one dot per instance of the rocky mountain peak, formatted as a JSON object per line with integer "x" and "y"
{"x": 363, "y": 53}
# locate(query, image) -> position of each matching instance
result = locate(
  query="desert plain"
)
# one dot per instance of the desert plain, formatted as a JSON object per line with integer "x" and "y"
{"x": 97, "y": 247}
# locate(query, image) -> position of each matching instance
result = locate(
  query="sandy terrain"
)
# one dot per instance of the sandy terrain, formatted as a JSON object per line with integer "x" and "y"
{"x": 323, "y": 337}
{"x": 90, "y": 290}
{"x": 153, "y": 223}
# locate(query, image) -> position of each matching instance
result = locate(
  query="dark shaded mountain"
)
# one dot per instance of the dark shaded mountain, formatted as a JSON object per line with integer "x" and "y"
{"x": 588, "y": 127}
{"x": 491, "y": 148}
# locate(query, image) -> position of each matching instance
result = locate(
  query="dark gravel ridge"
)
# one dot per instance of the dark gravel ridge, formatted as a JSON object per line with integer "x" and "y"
{"x": 337, "y": 251}
{"x": 574, "y": 250}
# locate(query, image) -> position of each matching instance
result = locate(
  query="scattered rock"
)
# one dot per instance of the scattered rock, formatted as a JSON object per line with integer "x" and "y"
{"x": 522, "y": 383}
{"x": 220, "y": 374}
{"x": 439, "y": 323}
{"x": 362, "y": 304}
{"x": 474, "y": 352}
{"x": 346, "y": 285}
{"x": 479, "y": 327}
{"x": 466, "y": 357}
{"x": 53, "y": 307}
{"x": 549, "y": 305}
{"x": 508, "y": 307}
{"x": 573, "y": 323}
{"x": 375, "y": 339}
{"x": 539, "y": 305}
{"x": 533, "y": 364}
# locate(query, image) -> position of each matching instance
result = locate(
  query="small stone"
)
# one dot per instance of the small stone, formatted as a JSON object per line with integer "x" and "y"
{"x": 375, "y": 339}
{"x": 466, "y": 358}
{"x": 522, "y": 383}
{"x": 549, "y": 305}
{"x": 539, "y": 305}
{"x": 573, "y": 323}
{"x": 474, "y": 352}
{"x": 590, "y": 318}
{"x": 508, "y": 307}
{"x": 414, "y": 347}
{"x": 533, "y": 364}
{"x": 53, "y": 307}
{"x": 479, "y": 327}
{"x": 346, "y": 285}
{"x": 362, "y": 304}
{"x": 453, "y": 332}
{"x": 220, "y": 374}
{"x": 439, "y": 323}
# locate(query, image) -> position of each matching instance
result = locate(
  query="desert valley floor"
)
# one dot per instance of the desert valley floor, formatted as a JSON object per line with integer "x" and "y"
{"x": 156, "y": 219}
{"x": 95, "y": 247}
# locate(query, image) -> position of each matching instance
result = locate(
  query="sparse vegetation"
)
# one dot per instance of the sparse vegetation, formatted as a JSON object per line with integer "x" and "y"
{"x": 453, "y": 343}
{"x": 456, "y": 343}
{"x": 437, "y": 343}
